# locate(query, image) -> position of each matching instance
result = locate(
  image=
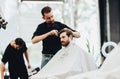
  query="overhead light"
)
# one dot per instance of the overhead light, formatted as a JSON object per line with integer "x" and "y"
{"x": 42, "y": 0}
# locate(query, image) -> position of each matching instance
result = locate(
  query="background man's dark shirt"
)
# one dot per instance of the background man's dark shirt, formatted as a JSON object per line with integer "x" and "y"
{"x": 15, "y": 59}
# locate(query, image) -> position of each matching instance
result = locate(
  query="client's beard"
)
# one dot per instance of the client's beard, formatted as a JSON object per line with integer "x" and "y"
{"x": 65, "y": 44}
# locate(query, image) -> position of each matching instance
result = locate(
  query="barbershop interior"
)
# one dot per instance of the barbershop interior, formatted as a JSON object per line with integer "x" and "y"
{"x": 97, "y": 21}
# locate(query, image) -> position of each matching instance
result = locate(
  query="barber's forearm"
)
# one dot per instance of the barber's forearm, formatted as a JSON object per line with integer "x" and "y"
{"x": 2, "y": 75}
{"x": 27, "y": 58}
{"x": 76, "y": 34}
{"x": 37, "y": 39}
{"x": 2, "y": 70}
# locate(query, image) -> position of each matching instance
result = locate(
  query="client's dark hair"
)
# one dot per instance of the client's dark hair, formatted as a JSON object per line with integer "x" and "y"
{"x": 20, "y": 42}
{"x": 68, "y": 32}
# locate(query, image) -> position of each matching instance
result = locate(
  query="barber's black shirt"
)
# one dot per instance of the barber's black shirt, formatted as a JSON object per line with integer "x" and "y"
{"x": 15, "y": 59}
{"x": 51, "y": 44}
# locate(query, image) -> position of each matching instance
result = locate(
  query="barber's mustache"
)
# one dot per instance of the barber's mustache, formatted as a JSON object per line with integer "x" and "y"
{"x": 50, "y": 22}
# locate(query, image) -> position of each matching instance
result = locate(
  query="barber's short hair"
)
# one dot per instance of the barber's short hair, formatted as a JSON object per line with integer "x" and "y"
{"x": 68, "y": 32}
{"x": 20, "y": 42}
{"x": 45, "y": 9}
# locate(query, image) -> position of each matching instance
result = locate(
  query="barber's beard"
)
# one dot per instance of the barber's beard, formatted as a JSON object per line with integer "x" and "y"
{"x": 51, "y": 23}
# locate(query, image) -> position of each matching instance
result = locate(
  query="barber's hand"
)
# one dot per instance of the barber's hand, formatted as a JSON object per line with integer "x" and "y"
{"x": 29, "y": 66}
{"x": 76, "y": 34}
{"x": 54, "y": 32}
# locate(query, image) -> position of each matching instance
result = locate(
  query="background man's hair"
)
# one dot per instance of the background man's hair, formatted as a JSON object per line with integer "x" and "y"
{"x": 46, "y": 9}
{"x": 20, "y": 42}
{"x": 68, "y": 32}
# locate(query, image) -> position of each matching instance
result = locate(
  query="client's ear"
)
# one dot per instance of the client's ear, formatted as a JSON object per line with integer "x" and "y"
{"x": 71, "y": 37}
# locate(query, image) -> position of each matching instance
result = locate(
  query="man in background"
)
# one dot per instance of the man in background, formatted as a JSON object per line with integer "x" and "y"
{"x": 14, "y": 56}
